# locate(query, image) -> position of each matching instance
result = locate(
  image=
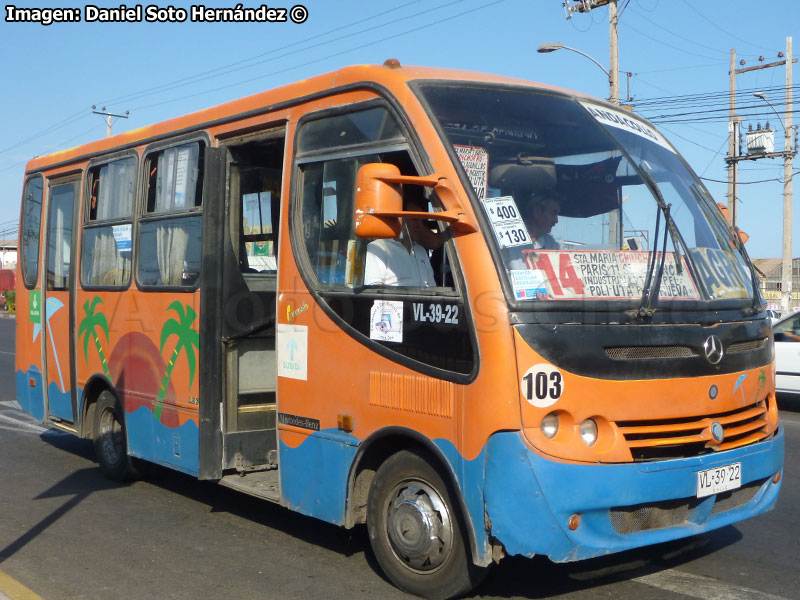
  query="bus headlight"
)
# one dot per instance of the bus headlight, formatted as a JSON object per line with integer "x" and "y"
{"x": 588, "y": 431}
{"x": 550, "y": 425}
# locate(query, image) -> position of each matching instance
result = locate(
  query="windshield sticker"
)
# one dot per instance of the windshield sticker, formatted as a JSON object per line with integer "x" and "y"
{"x": 506, "y": 222}
{"x": 621, "y": 120}
{"x": 528, "y": 284}
{"x": 386, "y": 321}
{"x": 542, "y": 385}
{"x": 475, "y": 161}
{"x": 604, "y": 275}
{"x": 719, "y": 274}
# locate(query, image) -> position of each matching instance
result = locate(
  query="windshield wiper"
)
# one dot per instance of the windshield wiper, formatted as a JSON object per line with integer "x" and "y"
{"x": 645, "y": 307}
{"x": 652, "y": 285}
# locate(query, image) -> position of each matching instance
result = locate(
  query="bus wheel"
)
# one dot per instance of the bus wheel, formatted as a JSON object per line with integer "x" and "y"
{"x": 415, "y": 532}
{"x": 110, "y": 442}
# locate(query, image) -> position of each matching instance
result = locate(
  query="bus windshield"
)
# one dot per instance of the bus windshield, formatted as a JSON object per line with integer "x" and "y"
{"x": 587, "y": 202}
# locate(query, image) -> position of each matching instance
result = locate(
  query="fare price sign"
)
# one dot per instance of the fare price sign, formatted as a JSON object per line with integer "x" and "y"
{"x": 506, "y": 221}
{"x": 604, "y": 275}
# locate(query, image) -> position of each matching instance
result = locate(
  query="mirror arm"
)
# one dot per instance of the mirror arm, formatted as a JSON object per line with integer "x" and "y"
{"x": 454, "y": 214}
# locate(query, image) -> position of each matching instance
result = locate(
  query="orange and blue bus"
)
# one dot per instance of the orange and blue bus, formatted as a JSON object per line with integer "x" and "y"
{"x": 193, "y": 294}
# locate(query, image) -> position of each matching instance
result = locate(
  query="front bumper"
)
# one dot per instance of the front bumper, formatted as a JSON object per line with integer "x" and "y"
{"x": 529, "y": 498}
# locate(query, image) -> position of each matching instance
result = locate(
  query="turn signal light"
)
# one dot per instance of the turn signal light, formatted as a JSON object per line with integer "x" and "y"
{"x": 777, "y": 477}
{"x": 574, "y": 522}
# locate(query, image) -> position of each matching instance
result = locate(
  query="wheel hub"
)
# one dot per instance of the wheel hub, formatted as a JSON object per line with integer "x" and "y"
{"x": 419, "y": 526}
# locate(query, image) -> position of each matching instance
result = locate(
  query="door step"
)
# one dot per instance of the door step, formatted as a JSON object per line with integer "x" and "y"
{"x": 261, "y": 484}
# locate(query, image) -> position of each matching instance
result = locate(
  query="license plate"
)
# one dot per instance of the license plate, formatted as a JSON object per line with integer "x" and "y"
{"x": 719, "y": 479}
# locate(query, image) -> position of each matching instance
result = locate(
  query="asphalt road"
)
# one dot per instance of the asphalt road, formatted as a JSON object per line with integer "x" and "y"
{"x": 66, "y": 532}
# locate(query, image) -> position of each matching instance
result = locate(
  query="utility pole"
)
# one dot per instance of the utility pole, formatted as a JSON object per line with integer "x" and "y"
{"x": 787, "y": 154}
{"x": 787, "y": 270}
{"x": 613, "y": 62}
{"x": 102, "y": 112}
{"x": 585, "y": 6}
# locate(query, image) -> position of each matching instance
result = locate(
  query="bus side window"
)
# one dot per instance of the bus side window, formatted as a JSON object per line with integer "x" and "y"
{"x": 59, "y": 236}
{"x": 328, "y": 192}
{"x": 107, "y": 236}
{"x": 170, "y": 231}
{"x": 255, "y": 192}
{"x": 31, "y": 230}
{"x": 338, "y": 257}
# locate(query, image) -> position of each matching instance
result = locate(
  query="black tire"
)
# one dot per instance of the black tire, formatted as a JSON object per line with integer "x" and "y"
{"x": 110, "y": 439}
{"x": 416, "y": 531}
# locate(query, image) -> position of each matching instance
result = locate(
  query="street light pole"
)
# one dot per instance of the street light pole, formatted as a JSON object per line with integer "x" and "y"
{"x": 553, "y": 46}
{"x": 613, "y": 80}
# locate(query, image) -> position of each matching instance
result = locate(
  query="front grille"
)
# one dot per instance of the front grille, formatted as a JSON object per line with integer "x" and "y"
{"x": 661, "y": 439}
{"x": 670, "y": 513}
{"x": 749, "y": 346}
{"x": 649, "y": 352}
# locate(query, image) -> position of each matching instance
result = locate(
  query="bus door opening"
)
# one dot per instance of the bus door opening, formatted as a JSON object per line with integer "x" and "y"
{"x": 248, "y": 301}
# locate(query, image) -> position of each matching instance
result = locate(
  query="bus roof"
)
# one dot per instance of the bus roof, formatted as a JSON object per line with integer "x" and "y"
{"x": 393, "y": 77}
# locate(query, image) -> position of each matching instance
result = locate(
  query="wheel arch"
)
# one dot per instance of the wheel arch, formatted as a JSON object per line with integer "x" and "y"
{"x": 382, "y": 444}
{"x": 96, "y": 384}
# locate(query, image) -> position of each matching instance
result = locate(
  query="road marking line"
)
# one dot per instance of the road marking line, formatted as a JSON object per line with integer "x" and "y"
{"x": 10, "y": 404}
{"x": 14, "y": 590}
{"x": 703, "y": 588}
{"x": 9, "y": 353}
{"x": 32, "y": 426}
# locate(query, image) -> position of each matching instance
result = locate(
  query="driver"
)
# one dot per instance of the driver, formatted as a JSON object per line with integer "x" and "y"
{"x": 542, "y": 218}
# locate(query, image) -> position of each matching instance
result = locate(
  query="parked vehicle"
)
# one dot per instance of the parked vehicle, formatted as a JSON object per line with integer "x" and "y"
{"x": 786, "y": 333}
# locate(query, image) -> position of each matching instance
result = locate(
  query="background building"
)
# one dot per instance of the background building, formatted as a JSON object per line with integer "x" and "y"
{"x": 769, "y": 273}
{"x": 8, "y": 253}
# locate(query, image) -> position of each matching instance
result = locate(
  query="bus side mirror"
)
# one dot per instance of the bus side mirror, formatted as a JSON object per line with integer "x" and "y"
{"x": 379, "y": 202}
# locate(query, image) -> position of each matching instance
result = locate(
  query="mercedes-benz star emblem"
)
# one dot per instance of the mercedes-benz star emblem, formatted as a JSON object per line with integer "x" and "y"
{"x": 717, "y": 431}
{"x": 713, "y": 349}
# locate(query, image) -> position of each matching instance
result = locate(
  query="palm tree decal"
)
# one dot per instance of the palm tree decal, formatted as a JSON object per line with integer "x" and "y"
{"x": 88, "y": 329}
{"x": 188, "y": 339}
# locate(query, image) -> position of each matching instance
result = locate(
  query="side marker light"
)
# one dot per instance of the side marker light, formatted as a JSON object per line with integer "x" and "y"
{"x": 345, "y": 422}
{"x": 574, "y": 522}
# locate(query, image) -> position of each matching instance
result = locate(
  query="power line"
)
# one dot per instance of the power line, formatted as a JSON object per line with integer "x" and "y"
{"x": 326, "y": 57}
{"x": 172, "y": 84}
{"x": 661, "y": 27}
{"x": 701, "y": 15}
{"x": 779, "y": 180}
{"x": 225, "y": 70}
{"x": 655, "y": 39}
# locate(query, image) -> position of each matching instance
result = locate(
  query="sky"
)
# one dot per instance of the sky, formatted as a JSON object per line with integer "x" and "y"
{"x": 677, "y": 51}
